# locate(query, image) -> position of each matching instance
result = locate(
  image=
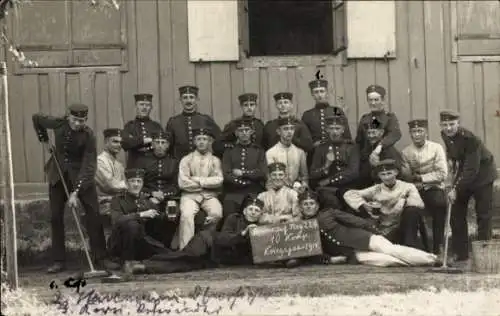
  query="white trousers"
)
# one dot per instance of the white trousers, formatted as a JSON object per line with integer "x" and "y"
{"x": 190, "y": 205}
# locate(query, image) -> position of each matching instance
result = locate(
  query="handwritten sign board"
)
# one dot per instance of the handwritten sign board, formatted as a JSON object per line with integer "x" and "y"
{"x": 285, "y": 241}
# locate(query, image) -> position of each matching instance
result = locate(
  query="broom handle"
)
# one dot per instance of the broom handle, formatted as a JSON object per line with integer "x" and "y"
{"x": 447, "y": 226}
{"x": 75, "y": 216}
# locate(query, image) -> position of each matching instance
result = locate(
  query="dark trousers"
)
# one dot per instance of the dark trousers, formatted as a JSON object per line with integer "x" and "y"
{"x": 483, "y": 196}
{"x": 92, "y": 221}
{"x": 435, "y": 205}
{"x": 407, "y": 232}
{"x": 129, "y": 240}
{"x": 332, "y": 197}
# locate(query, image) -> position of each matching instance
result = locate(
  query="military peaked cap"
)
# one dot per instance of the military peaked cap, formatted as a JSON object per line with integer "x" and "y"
{"x": 276, "y": 166}
{"x": 78, "y": 110}
{"x": 134, "y": 173}
{"x": 318, "y": 83}
{"x": 418, "y": 123}
{"x": 111, "y": 132}
{"x": 252, "y": 200}
{"x": 147, "y": 97}
{"x": 376, "y": 88}
{"x": 247, "y": 97}
{"x": 283, "y": 96}
{"x": 188, "y": 89}
{"x": 335, "y": 120}
{"x": 308, "y": 195}
{"x": 161, "y": 134}
{"x": 385, "y": 165}
{"x": 449, "y": 115}
{"x": 203, "y": 131}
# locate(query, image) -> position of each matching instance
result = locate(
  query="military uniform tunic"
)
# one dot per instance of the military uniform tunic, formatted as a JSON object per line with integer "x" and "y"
{"x": 251, "y": 160}
{"x": 390, "y": 122}
{"x": 476, "y": 173}
{"x": 76, "y": 153}
{"x": 130, "y": 237}
{"x": 229, "y": 138}
{"x": 161, "y": 174}
{"x": 181, "y": 128}
{"x": 134, "y": 133}
{"x": 315, "y": 118}
{"x": 301, "y": 138}
{"x": 367, "y": 175}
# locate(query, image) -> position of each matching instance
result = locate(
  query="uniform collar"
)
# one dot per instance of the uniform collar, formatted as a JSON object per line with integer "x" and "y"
{"x": 321, "y": 106}
{"x": 108, "y": 155}
{"x": 189, "y": 113}
{"x": 143, "y": 119}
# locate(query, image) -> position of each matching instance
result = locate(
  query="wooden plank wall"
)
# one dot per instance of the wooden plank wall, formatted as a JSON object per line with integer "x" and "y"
{"x": 421, "y": 81}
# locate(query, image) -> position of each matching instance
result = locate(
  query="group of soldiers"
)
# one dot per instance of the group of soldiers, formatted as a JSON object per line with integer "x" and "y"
{"x": 192, "y": 189}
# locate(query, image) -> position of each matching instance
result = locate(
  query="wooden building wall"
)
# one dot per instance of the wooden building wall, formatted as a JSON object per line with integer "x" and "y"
{"x": 421, "y": 81}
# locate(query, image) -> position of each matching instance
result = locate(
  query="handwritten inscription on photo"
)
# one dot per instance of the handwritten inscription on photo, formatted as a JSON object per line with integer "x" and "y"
{"x": 285, "y": 241}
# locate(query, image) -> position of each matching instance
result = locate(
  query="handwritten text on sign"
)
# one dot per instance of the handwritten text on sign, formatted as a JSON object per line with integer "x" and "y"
{"x": 285, "y": 241}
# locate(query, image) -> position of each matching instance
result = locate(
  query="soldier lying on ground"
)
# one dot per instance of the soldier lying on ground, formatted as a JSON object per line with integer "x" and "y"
{"x": 208, "y": 248}
{"x": 356, "y": 238}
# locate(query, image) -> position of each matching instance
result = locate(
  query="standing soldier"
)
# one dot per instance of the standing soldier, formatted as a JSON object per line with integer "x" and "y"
{"x": 301, "y": 138}
{"x": 248, "y": 102}
{"x": 391, "y": 132}
{"x": 475, "y": 171}
{"x": 424, "y": 164}
{"x": 374, "y": 137}
{"x": 335, "y": 164}
{"x": 182, "y": 125}
{"x": 137, "y": 132}
{"x": 75, "y": 151}
{"x": 315, "y": 118}
{"x": 110, "y": 174}
{"x": 244, "y": 168}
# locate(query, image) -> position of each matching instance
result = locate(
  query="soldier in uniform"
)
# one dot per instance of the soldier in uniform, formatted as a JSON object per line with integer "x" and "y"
{"x": 395, "y": 205}
{"x": 387, "y": 120}
{"x": 301, "y": 138}
{"x": 110, "y": 174}
{"x": 374, "y": 130}
{"x": 200, "y": 179}
{"x": 208, "y": 248}
{"x": 425, "y": 165}
{"x": 137, "y": 132}
{"x": 244, "y": 167}
{"x": 182, "y": 125}
{"x": 248, "y": 102}
{"x": 344, "y": 234}
{"x": 160, "y": 184}
{"x": 315, "y": 118}
{"x": 335, "y": 165}
{"x": 475, "y": 170}
{"x": 131, "y": 212}
{"x": 75, "y": 150}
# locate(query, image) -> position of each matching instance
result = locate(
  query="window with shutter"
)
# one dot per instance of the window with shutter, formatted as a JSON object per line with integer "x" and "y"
{"x": 291, "y": 33}
{"x": 70, "y": 33}
{"x": 475, "y": 27}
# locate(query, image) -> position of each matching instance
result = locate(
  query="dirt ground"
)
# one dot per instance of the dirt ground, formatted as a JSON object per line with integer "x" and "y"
{"x": 305, "y": 281}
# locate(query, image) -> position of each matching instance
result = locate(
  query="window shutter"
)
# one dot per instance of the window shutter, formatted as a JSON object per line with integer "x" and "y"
{"x": 244, "y": 28}
{"x": 339, "y": 26}
{"x": 213, "y": 30}
{"x": 98, "y": 34}
{"x": 371, "y": 29}
{"x": 42, "y": 33}
{"x": 478, "y": 28}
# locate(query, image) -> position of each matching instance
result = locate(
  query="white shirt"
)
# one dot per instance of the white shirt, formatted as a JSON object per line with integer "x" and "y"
{"x": 110, "y": 175}
{"x": 283, "y": 201}
{"x": 200, "y": 174}
{"x": 293, "y": 157}
{"x": 429, "y": 161}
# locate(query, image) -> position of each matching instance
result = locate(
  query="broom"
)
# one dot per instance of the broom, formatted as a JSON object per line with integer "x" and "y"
{"x": 93, "y": 273}
{"x": 445, "y": 268}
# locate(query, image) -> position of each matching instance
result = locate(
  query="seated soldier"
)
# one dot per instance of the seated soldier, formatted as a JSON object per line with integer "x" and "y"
{"x": 285, "y": 152}
{"x": 374, "y": 130}
{"x": 161, "y": 183}
{"x": 130, "y": 239}
{"x": 244, "y": 166}
{"x": 280, "y": 201}
{"x": 395, "y": 205}
{"x": 425, "y": 165}
{"x": 229, "y": 246}
{"x": 356, "y": 238}
{"x": 248, "y": 103}
{"x": 200, "y": 179}
{"x": 335, "y": 164}
{"x": 110, "y": 174}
